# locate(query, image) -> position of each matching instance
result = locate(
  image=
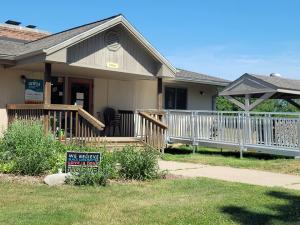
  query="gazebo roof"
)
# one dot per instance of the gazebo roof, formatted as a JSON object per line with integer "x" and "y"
{"x": 262, "y": 88}
{"x": 258, "y": 85}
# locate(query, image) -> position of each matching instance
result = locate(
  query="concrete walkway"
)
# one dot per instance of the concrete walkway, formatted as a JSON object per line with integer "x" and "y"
{"x": 247, "y": 176}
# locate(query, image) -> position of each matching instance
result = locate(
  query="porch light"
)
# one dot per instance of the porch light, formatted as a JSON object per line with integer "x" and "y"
{"x": 23, "y": 79}
{"x": 201, "y": 93}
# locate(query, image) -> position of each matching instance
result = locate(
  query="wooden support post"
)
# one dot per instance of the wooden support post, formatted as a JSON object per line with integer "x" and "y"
{"x": 247, "y": 102}
{"x": 292, "y": 102}
{"x": 47, "y": 84}
{"x": 46, "y": 121}
{"x": 159, "y": 93}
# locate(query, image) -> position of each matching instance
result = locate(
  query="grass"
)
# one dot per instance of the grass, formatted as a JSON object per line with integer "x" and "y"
{"x": 213, "y": 156}
{"x": 189, "y": 201}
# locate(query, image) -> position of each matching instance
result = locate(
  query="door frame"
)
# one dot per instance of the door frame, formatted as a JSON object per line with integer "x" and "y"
{"x": 90, "y": 82}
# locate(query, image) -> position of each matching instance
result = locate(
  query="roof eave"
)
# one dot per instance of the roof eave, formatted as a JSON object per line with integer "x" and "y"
{"x": 7, "y": 61}
{"x": 200, "y": 81}
{"x": 288, "y": 91}
{"x": 30, "y": 54}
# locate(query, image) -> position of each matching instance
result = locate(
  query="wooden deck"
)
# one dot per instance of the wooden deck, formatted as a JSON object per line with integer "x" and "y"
{"x": 72, "y": 124}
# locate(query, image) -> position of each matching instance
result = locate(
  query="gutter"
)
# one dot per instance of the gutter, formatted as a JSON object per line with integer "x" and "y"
{"x": 217, "y": 83}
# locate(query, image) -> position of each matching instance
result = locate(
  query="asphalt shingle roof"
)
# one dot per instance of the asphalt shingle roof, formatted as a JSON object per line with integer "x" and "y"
{"x": 12, "y": 48}
{"x": 185, "y": 75}
{"x": 16, "y": 48}
{"x": 57, "y": 38}
{"x": 280, "y": 82}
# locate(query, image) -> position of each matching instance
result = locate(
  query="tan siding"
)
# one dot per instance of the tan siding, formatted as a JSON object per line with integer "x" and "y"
{"x": 131, "y": 57}
{"x": 124, "y": 95}
{"x": 146, "y": 94}
{"x": 12, "y": 91}
{"x": 196, "y": 101}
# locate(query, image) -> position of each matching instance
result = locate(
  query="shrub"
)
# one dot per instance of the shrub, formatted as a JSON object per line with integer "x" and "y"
{"x": 108, "y": 164}
{"x": 87, "y": 176}
{"x": 26, "y": 150}
{"x": 139, "y": 164}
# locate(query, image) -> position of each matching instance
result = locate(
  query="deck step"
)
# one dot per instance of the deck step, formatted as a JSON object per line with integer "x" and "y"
{"x": 116, "y": 142}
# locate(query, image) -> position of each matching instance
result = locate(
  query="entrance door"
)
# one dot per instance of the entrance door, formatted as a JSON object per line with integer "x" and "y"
{"x": 80, "y": 92}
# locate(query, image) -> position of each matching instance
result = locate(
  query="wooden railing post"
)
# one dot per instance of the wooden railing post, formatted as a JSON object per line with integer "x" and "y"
{"x": 152, "y": 130}
{"x": 55, "y": 119}
{"x": 46, "y": 121}
{"x": 47, "y": 84}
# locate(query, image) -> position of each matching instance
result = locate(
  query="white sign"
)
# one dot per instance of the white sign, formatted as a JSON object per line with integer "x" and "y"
{"x": 79, "y": 95}
{"x": 34, "y": 91}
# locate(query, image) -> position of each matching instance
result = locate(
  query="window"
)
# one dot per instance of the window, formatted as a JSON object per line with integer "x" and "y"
{"x": 175, "y": 98}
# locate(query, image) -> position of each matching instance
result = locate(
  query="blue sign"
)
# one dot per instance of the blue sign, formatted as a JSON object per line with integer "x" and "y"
{"x": 82, "y": 159}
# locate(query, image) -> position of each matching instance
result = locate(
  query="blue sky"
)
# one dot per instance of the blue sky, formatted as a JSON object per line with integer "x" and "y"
{"x": 225, "y": 38}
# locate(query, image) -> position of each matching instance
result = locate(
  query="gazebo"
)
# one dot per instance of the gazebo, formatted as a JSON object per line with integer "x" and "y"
{"x": 257, "y": 88}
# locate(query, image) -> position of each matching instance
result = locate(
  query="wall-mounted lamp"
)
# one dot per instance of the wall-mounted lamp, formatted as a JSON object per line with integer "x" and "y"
{"x": 23, "y": 79}
{"x": 201, "y": 93}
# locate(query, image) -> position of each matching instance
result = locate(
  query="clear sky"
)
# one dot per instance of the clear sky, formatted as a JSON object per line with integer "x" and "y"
{"x": 225, "y": 38}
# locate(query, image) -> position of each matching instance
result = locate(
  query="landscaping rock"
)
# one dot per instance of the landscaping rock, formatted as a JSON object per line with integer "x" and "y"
{"x": 55, "y": 179}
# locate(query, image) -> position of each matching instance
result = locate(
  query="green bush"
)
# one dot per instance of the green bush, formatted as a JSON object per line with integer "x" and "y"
{"x": 138, "y": 164}
{"x": 129, "y": 163}
{"x": 26, "y": 150}
{"x": 86, "y": 176}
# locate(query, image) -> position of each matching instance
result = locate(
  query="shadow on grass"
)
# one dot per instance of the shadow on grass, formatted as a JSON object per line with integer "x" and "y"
{"x": 218, "y": 152}
{"x": 288, "y": 213}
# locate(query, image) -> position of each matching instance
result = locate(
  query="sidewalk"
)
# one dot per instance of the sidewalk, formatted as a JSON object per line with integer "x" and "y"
{"x": 246, "y": 176}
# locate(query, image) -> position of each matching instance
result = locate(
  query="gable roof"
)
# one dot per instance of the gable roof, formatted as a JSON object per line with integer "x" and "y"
{"x": 13, "y": 47}
{"x": 189, "y": 76}
{"x": 57, "y": 38}
{"x": 258, "y": 85}
{"x": 280, "y": 82}
{"x": 57, "y": 41}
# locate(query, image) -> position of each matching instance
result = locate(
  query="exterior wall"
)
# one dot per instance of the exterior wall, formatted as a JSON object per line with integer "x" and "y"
{"x": 118, "y": 94}
{"x": 124, "y": 95}
{"x": 12, "y": 91}
{"x": 142, "y": 94}
{"x": 196, "y": 101}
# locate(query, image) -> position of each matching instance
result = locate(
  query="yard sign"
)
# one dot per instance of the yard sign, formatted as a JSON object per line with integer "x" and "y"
{"x": 77, "y": 160}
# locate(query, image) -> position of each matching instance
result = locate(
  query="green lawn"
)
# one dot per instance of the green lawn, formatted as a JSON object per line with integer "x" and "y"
{"x": 190, "y": 201}
{"x": 212, "y": 156}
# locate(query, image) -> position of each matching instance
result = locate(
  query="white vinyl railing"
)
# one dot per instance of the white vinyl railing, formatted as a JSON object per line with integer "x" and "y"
{"x": 274, "y": 133}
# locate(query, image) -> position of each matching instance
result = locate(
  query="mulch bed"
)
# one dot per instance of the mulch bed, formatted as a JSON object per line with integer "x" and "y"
{"x": 19, "y": 178}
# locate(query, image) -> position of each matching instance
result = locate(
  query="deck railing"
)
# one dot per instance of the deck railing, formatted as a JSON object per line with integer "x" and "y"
{"x": 277, "y": 133}
{"x": 68, "y": 123}
{"x": 150, "y": 129}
